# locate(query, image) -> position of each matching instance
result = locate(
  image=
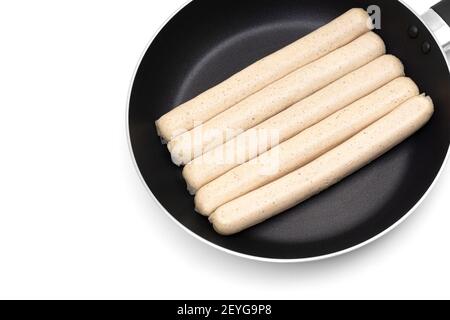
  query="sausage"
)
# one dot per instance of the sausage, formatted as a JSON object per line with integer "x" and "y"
{"x": 296, "y": 187}
{"x": 304, "y": 147}
{"x": 293, "y": 120}
{"x": 317, "y": 44}
{"x": 276, "y": 97}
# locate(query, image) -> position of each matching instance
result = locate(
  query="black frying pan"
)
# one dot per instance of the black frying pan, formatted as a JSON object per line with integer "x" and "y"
{"x": 208, "y": 41}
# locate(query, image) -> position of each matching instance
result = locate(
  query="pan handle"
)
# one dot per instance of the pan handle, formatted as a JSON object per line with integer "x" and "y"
{"x": 443, "y": 10}
{"x": 438, "y": 20}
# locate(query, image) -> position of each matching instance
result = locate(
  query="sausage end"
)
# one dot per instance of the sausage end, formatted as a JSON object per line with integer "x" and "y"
{"x": 201, "y": 201}
{"x": 220, "y": 225}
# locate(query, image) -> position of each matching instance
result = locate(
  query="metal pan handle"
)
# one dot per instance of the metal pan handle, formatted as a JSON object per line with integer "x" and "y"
{"x": 443, "y": 10}
{"x": 438, "y": 20}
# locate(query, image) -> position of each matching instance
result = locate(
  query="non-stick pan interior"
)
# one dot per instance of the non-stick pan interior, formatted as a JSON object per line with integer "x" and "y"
{"x": 208, "y": 41}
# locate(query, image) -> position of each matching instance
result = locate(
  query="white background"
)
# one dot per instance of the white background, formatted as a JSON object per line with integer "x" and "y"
{"x": 75, "y": 220}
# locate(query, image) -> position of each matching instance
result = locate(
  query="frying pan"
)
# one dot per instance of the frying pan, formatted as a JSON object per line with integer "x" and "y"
{"x": 208, "y": 41}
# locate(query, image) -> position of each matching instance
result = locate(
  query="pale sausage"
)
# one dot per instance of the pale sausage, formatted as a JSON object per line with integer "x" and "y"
{"x": 275, "y": 98}
{"x": 291, "y": 121}
{"x": 296, "y": 187}
{"x": 304, "y": 147}
{"x": 315, "y": 45}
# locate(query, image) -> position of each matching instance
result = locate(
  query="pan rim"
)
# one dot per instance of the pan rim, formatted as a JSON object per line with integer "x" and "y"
{"x": 253, "y": 257}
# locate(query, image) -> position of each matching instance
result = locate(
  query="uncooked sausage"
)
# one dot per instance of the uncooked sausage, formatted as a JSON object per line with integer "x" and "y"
{"x": 275, "y": 98}
{"x": 296, "y": 187}
{"x": 291, "y": 121}
{"x": 317, "y": 44}
{"x": 304, "y": 147}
